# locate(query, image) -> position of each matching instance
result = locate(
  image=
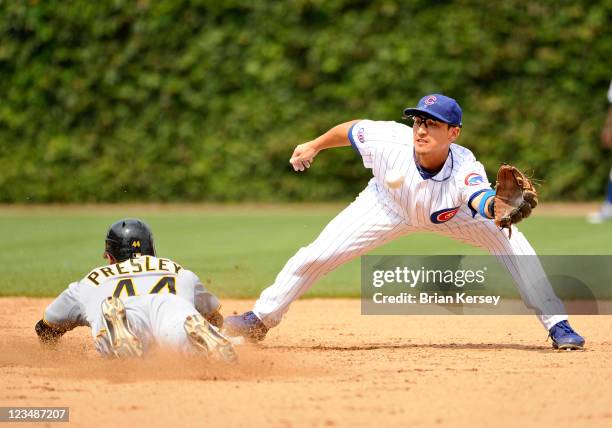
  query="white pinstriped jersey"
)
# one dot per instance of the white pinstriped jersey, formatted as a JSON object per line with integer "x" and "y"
{"x": 423, "y": 202}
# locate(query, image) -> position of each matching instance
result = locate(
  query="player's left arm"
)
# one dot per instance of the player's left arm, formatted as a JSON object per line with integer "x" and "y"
{"x": 606, "y": 132}
{"x": 512, "y": 200}
{"x": 476, "y": 189}
{"x": 483, "y": 203}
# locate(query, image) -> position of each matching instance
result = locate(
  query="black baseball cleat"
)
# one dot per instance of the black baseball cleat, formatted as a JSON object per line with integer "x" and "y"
{"x": 564, "y": 337}
{"x": 122, "y": 341}
{"x": 247, "y": 325}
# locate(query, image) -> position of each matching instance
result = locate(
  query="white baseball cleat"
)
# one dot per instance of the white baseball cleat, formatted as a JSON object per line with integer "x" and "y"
{"x": 123, "y": 342}
{"x": 208, "y": 338}
{"x": 604, "y": 214}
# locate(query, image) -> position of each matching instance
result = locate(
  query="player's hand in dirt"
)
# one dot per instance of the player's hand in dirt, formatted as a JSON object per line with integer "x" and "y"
{"x": 302, "y": 156}
{"x": 47, "y": 334}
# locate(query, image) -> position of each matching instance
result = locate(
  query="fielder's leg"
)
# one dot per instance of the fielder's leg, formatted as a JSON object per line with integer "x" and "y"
{"x": 528, "y": 274}
{"x": 364, "y": 225}
{"x": 605, "y": 212}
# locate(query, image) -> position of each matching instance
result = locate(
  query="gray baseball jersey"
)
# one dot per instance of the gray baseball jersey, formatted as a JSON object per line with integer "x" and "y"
{"x": 80, "y": 303}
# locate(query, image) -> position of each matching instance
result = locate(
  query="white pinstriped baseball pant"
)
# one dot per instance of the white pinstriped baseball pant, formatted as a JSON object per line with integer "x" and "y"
{"x": 368, "y": 223}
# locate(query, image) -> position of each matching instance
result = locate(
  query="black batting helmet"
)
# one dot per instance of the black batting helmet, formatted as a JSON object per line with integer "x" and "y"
{"x": 129, "y": 238}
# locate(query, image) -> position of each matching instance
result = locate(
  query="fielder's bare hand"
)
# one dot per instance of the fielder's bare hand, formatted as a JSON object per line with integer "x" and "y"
{"x": 303, "y": 155}
{"x": 336, "y": 137}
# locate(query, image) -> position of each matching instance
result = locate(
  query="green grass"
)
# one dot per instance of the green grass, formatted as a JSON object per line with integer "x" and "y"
{"x": 236, "y": 250}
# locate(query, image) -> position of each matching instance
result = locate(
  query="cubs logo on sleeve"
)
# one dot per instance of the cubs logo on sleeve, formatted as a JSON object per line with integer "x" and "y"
{"x": 444, "y": 215}
{"x": 360, "y": 135}
{"x": 473, "y": 179}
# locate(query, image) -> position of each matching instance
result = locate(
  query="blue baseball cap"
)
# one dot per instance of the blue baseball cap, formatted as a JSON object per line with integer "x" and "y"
{"x": 438, "y": 107}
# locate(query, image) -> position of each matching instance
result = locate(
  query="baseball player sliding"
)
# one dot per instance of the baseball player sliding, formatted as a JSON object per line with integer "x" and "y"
{"x": 422, "y": 181}
{"x": 138, "y": 300}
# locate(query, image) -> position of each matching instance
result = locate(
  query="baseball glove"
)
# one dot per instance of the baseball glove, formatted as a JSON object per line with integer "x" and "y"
{"x": 515, "y": 197}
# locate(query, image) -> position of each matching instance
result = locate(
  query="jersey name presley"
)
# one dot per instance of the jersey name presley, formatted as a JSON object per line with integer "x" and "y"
{"x": 142, "y": 265}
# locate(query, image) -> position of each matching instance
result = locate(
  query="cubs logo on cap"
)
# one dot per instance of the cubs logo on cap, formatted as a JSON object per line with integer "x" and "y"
{"x": 430, "y": 100}
{"x": 444, "y": 215}
{"x": 438, "y": 107}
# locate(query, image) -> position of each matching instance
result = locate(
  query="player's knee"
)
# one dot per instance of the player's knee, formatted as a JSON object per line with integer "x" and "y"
{"x": 315, "y": 262}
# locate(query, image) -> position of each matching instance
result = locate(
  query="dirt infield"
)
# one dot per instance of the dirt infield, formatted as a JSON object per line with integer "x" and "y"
{"x": 326, "y": 365}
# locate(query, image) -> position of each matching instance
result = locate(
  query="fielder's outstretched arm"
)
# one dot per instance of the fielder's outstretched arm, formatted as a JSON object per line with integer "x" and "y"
{"x": 303, "y": 154}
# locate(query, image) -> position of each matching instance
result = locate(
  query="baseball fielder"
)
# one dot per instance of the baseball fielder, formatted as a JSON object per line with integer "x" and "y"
{"x": 423, "y": 181}
{"x": 605, "y": 212}
{"x": 138, "y": 300}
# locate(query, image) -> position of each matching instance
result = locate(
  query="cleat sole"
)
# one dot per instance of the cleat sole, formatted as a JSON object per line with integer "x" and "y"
{"x": 208, "y": 339}
{"x": 123, "y": 342}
